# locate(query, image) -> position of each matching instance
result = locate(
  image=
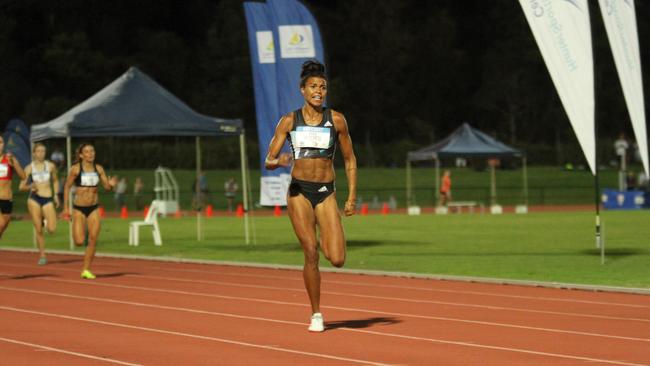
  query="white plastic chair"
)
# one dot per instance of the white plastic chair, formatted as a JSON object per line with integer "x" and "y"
{"x": 150, "y": 220}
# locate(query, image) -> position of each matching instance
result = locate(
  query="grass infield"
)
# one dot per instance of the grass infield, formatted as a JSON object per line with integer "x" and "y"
{"x": 551, "y": 247}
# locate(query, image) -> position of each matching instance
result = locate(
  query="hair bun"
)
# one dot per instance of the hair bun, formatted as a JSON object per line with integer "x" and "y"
{"x": 312, "y": 67}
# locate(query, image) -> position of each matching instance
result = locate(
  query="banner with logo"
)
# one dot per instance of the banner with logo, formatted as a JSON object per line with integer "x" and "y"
{"x": 16, "y": 145}
{"x": 262, "y": 54}
{"x": 282, "y": 34}
{"x": 18, "y": 126}
{"x": 299, "y": 40}
{"x": 620, "y": 23}
{"x": 563, "y": 33}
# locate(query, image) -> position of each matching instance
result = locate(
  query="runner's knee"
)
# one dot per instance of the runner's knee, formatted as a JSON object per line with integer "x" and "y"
{"x": 337, "y": 261}
{"x": 311, "y": 255}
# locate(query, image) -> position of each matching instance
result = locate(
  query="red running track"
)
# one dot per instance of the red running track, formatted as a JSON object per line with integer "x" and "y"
{"x": 140, "y": 312}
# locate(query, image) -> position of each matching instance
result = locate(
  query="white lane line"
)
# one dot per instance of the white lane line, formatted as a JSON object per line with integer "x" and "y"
{"x": 416, "y": 288}
{"x": 428, "y": 317}
{"x": 432, "y": 340}
{"x": 59, "y": 350}
{"x": 194, "y": 336}
{"x": 579, "y": 358}
{"x": 490, "y": 307}
{"x": 299, "y": 279}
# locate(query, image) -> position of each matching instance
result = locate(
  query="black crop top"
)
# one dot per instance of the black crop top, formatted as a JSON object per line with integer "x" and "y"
{"x": 309, "y": 142}
{"x": 87, "y": 179}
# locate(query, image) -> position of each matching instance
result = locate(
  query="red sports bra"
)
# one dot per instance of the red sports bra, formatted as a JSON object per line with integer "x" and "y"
{"x": 6, "y": 171}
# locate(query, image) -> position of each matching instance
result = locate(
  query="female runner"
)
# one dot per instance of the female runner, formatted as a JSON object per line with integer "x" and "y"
{"x": 314, "y": 131}
{"x": 40, "y": 177}
{"x": 86, "y": 176}
{"x": 8, "y": 163}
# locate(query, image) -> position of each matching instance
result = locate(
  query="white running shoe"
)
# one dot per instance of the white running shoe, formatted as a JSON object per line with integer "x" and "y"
{"x": 317, "y": 324}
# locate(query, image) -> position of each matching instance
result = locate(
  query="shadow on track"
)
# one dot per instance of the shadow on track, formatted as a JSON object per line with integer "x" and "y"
{"x": 28, "y": 276}
{"x": 361, "y": 323}
{"x": 64, "y": 261}
{"x": 116, "y": 274}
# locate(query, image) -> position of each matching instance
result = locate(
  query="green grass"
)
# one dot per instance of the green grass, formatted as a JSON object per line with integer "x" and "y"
{"x": 555, "y": 247}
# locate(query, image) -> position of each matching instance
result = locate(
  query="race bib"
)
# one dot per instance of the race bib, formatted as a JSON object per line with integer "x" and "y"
{"x": 41, "y": 177}
{"x": 312, "y": 137}
{"x": 89, "y": 179}
{"x": 4, "y": 170}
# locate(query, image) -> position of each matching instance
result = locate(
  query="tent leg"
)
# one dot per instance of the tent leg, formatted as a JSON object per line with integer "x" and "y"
{"x": 68, "y": 147}
{"x": 244, "y": 173}
{"x": 525, "y": 172}
{"x": 493, "y": 190}
{"x": 437, "y": 194}
{"x": 34, "y": 240}
{"x": 409, "y": 188}
{"x": 199, "y": 196}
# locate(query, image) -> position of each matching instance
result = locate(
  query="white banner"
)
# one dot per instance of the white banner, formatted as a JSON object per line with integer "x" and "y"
{"x": 273, "y": 190}
{"x": 620, "y": 22}
{"x": 296, "y": 41}
{"x": 265, "y": 47}
{"x": 563, "y": 33}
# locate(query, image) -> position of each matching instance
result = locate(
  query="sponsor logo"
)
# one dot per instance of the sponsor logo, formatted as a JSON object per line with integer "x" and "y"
{"x": 296, "y": 41}
{"x": 265, "y": 47}
{"x": 322, "y": 189}
{"x": 538, "y": 10}
{"x": 328, "y": 124}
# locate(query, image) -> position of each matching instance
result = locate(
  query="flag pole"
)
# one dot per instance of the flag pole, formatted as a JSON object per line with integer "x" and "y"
{"x": 599, "y": 237}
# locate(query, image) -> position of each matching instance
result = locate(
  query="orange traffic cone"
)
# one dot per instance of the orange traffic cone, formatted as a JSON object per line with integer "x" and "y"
{"x": 146, "y": 211}
{"x": 240, "y": 210}
{"x": 364, "y": 209}
{"x": 208, "y": 211}
{"x": 102, "y": 212}
{"x": 124, "y": 214}
{"x": 384, "y": 209}
{"x": 277, "y": 211}
{"x": 178, "y": 214}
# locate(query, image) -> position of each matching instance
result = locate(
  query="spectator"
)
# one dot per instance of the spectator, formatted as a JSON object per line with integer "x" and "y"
{"x": 138, "y": 187}
{"x": 620, "y": 146}
{"x": 201, "y": 192}
{"x": 120, "y": 191}
{"x": 445, "y": 189}
{"x": 230, "y": 190}
{"x": 636, "y": 152}
{"x": 642, "y": 183}
{"x": 631, "y": 181}
{"x": 57, "y": 158}
{"x": 203, "y": 187}
{"x": 392, "y": 203}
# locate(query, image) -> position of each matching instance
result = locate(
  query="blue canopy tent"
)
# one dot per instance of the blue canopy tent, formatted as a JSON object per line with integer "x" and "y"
{"x": 135, "y": 105}
{"x": 465, "y": 142}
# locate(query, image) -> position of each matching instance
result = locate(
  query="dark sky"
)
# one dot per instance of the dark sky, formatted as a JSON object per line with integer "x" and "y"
{"x": 431, "y": 64}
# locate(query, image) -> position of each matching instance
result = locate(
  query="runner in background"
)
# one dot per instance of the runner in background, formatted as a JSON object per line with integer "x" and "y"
{"x": 8, "y": 163}
{"x": 43, "y": 185}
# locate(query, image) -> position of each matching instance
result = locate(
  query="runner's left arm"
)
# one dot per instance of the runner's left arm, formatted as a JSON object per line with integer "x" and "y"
{"x": 345, "y": 142}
